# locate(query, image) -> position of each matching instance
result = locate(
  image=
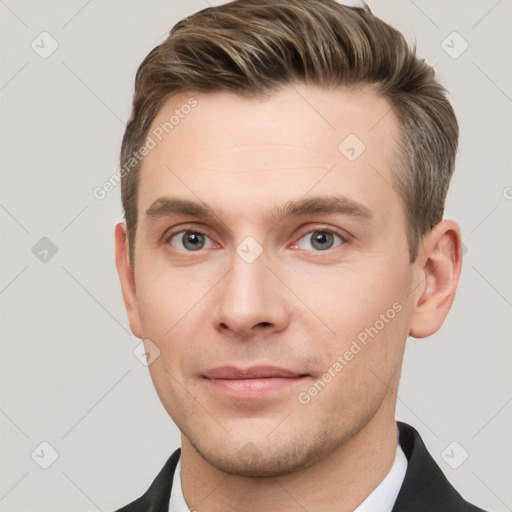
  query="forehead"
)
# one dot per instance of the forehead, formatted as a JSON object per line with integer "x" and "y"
{"x": 221, "y": 146}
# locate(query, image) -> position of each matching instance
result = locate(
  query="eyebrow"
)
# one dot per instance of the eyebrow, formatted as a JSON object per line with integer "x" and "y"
{"x": 340, "y": 205}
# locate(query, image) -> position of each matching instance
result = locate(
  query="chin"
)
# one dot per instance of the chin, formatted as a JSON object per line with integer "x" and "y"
{"x": 265, "y": 460}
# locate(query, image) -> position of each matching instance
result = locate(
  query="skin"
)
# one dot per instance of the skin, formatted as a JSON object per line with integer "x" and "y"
{"x": 297, "y": 306}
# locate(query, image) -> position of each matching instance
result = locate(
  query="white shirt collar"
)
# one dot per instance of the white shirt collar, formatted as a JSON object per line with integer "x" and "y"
{"x": 177, "y": 502}
{"x": 381, "y": 499}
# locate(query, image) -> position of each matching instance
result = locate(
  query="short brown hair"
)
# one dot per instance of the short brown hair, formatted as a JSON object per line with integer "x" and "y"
{"x": 255, "y": 47}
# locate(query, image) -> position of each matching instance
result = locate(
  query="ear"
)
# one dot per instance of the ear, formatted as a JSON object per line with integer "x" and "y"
{"x": 127, "y": 278}
{"x": 439, "y": 263}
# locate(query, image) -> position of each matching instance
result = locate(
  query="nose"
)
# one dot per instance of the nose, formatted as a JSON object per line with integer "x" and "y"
{"x": 251, "y": 300}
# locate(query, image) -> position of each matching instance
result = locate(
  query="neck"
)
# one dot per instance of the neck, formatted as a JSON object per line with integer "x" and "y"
{"x": 339, "y": 482}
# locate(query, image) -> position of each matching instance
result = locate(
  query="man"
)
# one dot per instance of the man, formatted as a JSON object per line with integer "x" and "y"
{"x": 285, "y": 170}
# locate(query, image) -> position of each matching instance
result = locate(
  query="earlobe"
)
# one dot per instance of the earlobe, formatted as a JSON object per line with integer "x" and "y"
{"x": 440, "y": 263}
{"x": 127, "y": 279}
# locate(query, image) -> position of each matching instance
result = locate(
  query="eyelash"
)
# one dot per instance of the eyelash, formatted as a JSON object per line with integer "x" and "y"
{"x": 344, "y": 238}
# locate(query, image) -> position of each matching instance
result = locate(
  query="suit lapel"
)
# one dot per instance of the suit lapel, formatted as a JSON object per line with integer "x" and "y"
{"x": 156, "y": 498}
{"x": 425, "y": 488}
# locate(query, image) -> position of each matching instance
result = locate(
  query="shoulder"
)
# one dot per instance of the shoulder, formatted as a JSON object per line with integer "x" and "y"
{"x": 156, "y": 498}
{"x": 425, "y": 487}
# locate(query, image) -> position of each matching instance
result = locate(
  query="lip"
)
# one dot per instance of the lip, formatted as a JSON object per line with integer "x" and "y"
{"x": 250, "y": 383}
{"x": 253, "y": 372}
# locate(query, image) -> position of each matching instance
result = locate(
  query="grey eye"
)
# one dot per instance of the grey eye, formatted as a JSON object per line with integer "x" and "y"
{"x": 319, "y": 240}
{"x": 322, "y": 240}
{"x": 189, "y": 241}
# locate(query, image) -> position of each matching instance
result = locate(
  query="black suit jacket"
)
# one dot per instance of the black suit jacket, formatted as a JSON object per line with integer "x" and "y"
{"x": 425, "y": 488}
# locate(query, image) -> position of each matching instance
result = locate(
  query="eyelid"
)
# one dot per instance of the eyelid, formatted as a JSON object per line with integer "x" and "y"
{"x": 193, "y": 228}
{"x": 202, "y": 229}
{"x": 336, "y": 231}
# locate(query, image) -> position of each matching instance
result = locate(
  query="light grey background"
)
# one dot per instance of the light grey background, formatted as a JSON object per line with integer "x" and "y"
{"x": 68, "y": 374}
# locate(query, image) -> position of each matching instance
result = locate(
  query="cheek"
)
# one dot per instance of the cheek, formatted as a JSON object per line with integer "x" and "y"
{"x": 165, "y": 295}
{"x": 175, "y": 309}
{"x": 345, "y": 299}
{"x": 361, "y": 364}
{"x": 159, "y": 309}
{"x": 365, "y": 308}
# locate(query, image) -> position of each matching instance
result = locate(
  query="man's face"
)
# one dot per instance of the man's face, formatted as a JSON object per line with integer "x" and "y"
{"x": 295, "y": 256}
